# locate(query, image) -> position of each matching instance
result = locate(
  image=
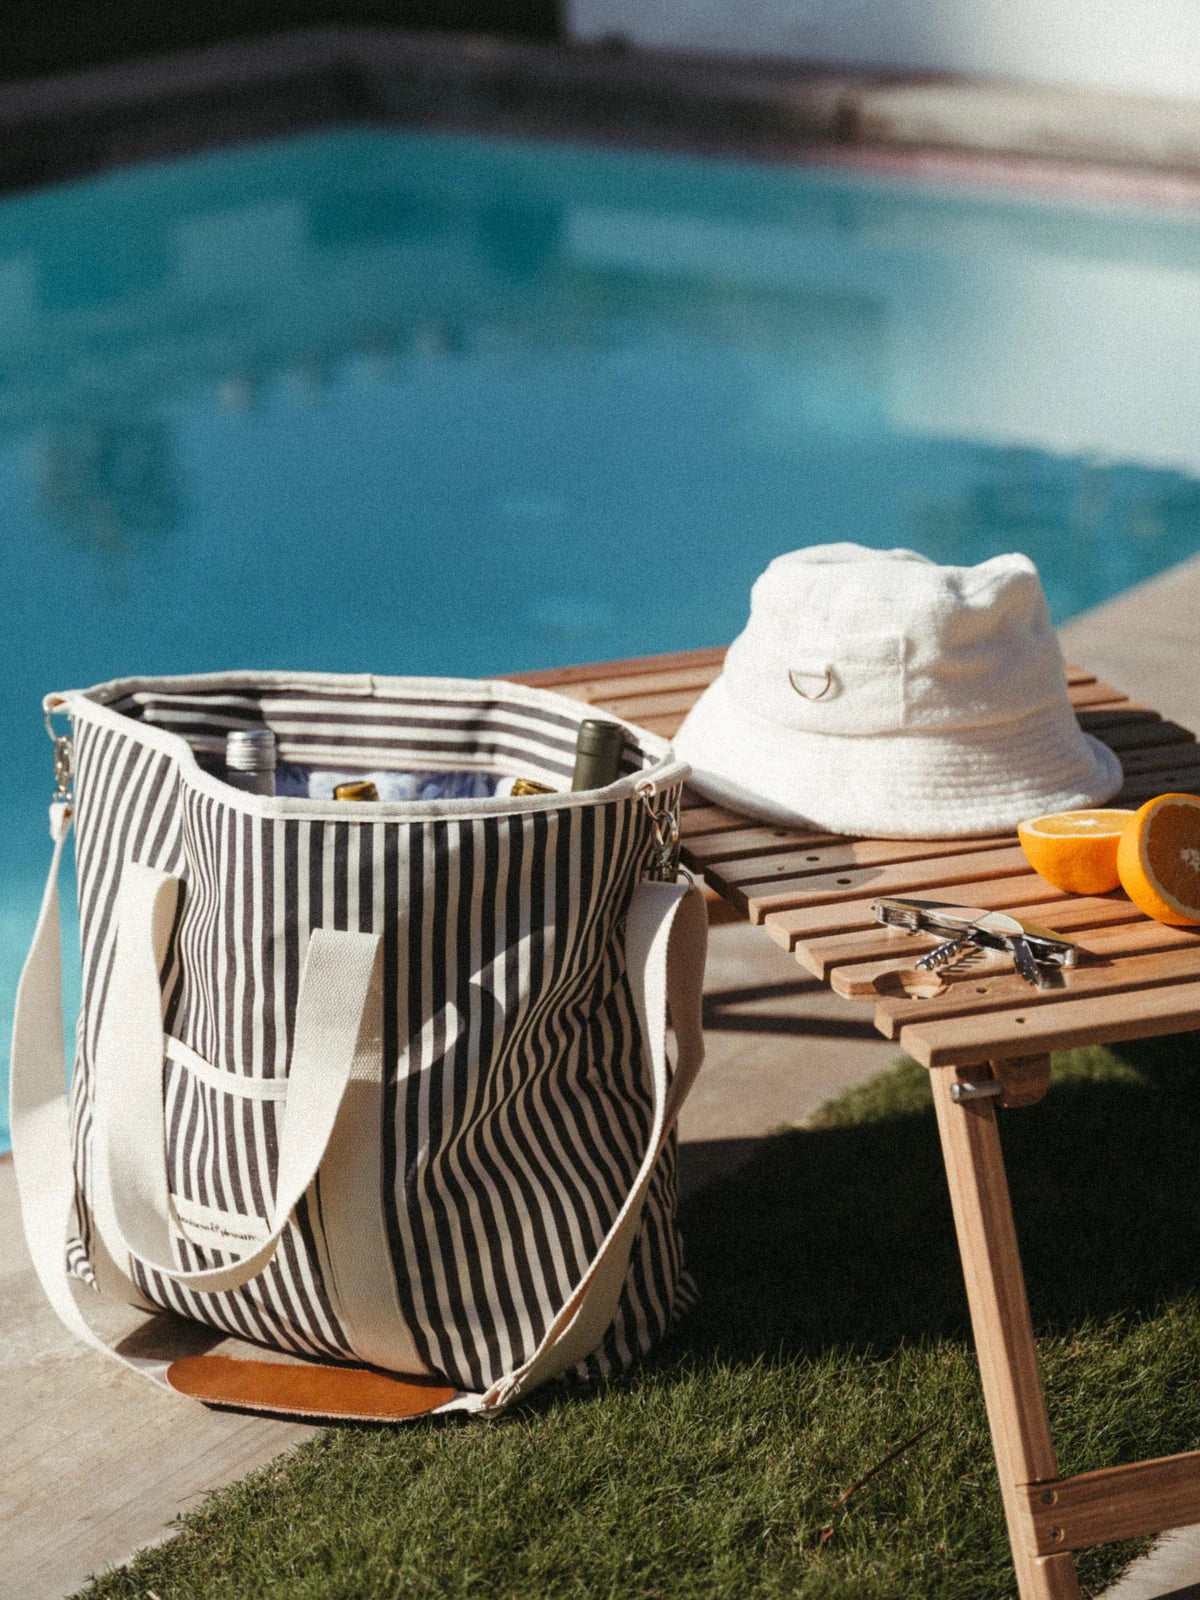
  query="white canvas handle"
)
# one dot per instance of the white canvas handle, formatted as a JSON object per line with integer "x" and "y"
{"x": 665, "y": 946}
{"x": 132, "y": 1202}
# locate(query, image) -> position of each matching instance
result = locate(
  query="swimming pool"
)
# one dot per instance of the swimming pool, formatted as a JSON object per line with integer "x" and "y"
{"x": 411, "y": 402}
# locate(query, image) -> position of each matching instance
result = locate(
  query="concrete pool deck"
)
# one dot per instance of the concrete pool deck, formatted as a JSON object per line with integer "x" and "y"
{"x": 98, "y": 1463}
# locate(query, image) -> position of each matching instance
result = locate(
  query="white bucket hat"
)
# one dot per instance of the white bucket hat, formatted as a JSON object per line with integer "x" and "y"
{"x": 875, "y": 692}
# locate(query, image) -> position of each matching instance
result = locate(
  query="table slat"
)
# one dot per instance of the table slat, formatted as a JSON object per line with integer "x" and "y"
{"x": 1130, "y": 710}
{"x": 666, "y": 726}
{"x": 1095, "y": 719}
{"x": 914, "y": 877}
{"x": 748, "y": 844}
{"x": 653, "y": 703}
{"x": 1137, "y": 791}
{"x": 693, "y": 680}
{"x": 808, "y": 862}
{"x": 1137, "y": 733}
{"x": 1091, "y": 694}
{"x": 1033, "y": 1030}
{"x": 790, "y": 928}
{"x": 697, "y": 822}
{"x": 1162, "y": 758}
{"x": 631, "y": 666}
{"x": 1144, "y": 954}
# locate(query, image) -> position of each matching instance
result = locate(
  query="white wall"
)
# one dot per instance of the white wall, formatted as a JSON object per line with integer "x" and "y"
{"x": 1136, "y": 46}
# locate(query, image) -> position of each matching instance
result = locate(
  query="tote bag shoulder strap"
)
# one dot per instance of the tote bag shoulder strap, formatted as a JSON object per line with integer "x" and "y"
{"x": 666, "y": 931}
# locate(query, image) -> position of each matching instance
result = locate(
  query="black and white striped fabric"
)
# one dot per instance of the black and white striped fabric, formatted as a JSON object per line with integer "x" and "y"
{"x": 515, "y": 1109}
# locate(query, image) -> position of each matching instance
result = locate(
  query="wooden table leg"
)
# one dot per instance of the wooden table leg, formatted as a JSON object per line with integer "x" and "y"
{"x": 1004, "y": 1342}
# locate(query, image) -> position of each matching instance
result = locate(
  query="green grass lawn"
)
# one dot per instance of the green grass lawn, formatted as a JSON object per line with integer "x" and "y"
{"x": 833, "y": 1327}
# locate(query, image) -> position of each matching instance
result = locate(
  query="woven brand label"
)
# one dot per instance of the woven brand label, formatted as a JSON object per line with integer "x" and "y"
{"x": 217, "y": 1230}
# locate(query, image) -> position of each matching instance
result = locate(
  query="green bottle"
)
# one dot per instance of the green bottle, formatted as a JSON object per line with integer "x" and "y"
{"x": 598, "y": 751}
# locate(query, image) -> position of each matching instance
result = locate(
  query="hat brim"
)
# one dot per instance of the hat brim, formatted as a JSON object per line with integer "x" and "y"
{"x": 895, "y": 786}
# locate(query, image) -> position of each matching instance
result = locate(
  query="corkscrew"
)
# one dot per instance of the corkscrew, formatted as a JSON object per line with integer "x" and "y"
{"x": 946, "y": 953}
{"x": 1035, "y": 951}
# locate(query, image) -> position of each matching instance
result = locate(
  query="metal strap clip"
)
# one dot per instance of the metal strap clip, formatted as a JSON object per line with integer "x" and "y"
{"x": 64, "y": 759}
{"x": 664, "y": 866}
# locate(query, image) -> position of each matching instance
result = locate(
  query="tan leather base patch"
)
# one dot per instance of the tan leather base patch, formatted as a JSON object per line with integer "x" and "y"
{"x": 304, "y": 1390}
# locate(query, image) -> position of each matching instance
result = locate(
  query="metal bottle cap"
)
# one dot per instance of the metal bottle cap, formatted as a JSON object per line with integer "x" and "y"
{"x": 250, "y": 750}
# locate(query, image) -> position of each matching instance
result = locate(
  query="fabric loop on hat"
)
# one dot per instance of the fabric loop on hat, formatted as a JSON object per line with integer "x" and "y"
{"x": 824, "y": 677}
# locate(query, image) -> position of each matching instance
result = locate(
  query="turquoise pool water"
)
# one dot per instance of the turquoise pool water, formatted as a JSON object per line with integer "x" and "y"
{"x": 403, "y": 402}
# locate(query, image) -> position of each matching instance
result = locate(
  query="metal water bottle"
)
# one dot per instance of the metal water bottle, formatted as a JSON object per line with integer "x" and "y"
{"x": 250, "y": 760}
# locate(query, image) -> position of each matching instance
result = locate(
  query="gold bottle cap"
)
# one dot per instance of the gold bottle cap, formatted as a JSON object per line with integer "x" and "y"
{"x": 364, "y": 790}
{"x": 528, "y": 786}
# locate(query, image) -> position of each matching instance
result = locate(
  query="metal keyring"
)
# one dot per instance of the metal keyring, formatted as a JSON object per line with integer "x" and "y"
{"x": 64, "y": 756}
{"x": 664, "y": 822}
{"x": 804, "y": 695}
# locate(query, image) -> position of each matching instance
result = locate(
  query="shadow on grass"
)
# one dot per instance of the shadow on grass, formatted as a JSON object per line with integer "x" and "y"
{"x": 832, "y": 1330}
{"x": 842, "y": 1233}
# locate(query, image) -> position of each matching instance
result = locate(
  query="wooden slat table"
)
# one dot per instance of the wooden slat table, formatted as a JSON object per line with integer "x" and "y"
{"x": 813, "y": 894}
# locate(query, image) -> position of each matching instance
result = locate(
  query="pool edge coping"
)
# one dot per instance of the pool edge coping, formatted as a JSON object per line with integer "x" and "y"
{"x": 950, "y": 129}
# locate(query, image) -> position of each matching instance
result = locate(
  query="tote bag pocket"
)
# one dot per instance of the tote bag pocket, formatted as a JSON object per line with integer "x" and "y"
{"x": 222, "y": 1136}
{"x": 222, "y": 1144}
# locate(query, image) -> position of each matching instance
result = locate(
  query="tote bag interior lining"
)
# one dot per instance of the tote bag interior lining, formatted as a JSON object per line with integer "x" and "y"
{"x": 426, "y": 733}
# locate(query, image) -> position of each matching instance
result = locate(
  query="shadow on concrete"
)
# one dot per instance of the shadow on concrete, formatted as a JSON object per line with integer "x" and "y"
{"x": 719, "y": 1017}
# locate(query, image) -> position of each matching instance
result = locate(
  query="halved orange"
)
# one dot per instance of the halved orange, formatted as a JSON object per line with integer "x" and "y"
{"x": 1159, "y": 859}
{"x": 1076, "y": 851}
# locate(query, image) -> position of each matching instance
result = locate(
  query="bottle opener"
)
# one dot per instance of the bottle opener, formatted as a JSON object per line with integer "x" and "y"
{"x": 1035, "y": 951}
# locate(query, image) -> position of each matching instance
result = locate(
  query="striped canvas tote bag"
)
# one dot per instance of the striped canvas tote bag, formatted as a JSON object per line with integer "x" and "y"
{"x": 381, "y": 1085}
